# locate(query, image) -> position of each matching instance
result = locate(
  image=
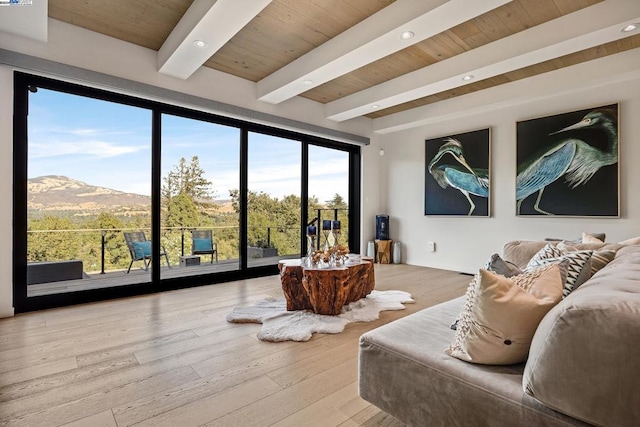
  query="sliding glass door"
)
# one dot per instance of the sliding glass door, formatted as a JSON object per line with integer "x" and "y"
{"x": 88, "y": 190}
{"x": 200, "y": 220}
{"x": 116, "y": 195}
{"x": 273, "y": 199}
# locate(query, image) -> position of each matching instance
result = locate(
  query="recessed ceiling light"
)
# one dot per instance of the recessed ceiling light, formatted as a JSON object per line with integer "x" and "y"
{"x": 629, "y": 28}
{"x": 467, "y": 77}
{"x": 374, "y": 106}
{"x": 406, "y": 35}
{"x": 200, "y": 43}
{"x": 307, "y": 82}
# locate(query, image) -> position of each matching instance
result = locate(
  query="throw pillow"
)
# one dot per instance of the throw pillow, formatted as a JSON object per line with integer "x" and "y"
{"x": 548, "y": 251}
{"x": 501, "y": 314}
{"x": 600, "y": 259}
{"x": 632, "y": 241}
{"x": 578, "y": 269}
{"x": 590, "y": 238}
{"x": 501, "y": 266}
{"x": 202, "y": 245}
{"x": 142, "y": 249}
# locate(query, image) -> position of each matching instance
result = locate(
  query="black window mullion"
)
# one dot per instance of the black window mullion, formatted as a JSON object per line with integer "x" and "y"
{"x": 243, "y": 196}
{"x": 304, "y": 196}
{"x": 156, "y": 159}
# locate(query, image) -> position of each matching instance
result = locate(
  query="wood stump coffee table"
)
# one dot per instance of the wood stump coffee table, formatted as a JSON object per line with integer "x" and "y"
{"x": 326, "y": 290}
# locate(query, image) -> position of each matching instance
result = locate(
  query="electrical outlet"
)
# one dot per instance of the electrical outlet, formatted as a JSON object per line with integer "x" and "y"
{"x": 431, "y": 246}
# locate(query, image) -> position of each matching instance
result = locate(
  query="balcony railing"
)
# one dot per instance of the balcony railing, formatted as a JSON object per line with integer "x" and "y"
{"x": 104, "y": 249}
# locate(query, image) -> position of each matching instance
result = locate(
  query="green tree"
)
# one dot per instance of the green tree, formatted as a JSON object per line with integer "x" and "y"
{"x": 337, "y": 202}
{"x": 51, "y": 239}
{"x": 187, "y": 178}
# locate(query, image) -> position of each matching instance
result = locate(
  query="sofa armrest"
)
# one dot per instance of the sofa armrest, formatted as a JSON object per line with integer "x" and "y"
{"x": 583, "y": 359}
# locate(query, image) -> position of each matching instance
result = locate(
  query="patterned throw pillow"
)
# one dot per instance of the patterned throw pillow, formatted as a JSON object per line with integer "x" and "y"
{"x": 600, "y": 259}
{"x": 578, "y": 270}
{"x": 501, "y": 314}
{"x": 548, "y": 251}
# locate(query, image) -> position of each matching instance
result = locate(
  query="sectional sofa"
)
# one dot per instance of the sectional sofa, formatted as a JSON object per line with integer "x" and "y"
{"x": 583, "y": 365}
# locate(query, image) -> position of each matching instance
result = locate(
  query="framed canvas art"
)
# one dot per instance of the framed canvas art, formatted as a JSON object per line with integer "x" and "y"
{"x": 567, "y": 164}
{"x": 457, "y": 174}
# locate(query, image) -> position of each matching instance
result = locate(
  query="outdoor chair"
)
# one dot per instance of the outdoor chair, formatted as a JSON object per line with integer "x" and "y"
{"x": 140, "y": 249}
{"x": 202, "y": 244}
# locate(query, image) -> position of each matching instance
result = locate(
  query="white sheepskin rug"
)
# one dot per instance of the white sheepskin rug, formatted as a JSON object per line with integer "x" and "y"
{"x": 278, "y": 324}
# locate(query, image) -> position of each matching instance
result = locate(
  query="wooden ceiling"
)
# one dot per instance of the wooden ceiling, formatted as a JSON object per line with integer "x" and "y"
{"x": 288, "y": 29}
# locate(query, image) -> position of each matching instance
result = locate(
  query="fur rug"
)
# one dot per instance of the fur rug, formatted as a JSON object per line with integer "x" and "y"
{"x": 278, "y": 324}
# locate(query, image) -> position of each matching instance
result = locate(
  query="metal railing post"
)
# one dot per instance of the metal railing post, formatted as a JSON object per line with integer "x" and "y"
{"x": 103, "y": 233}
{"x": 182, "y": 241}
{"x": 268, "y": 237}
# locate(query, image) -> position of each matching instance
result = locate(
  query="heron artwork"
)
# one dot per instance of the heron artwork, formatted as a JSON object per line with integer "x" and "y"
{"x": 450, "y": 170}
{"x": 573, "y": 157}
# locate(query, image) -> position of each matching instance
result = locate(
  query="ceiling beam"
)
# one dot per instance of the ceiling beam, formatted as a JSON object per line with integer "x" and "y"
{"x": 214, "y": 22}
{"x": 554, "y": 85}
{"x": 372, "y": 39}
{"x": 592, "y": 26}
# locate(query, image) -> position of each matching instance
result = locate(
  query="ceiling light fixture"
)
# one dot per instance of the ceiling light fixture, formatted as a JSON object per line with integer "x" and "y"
{"x": 307, "y": 82}
{"x": 406, "y": 35}
{"x": 629, "y": 28}
{"x": 374, "y": 106}
{"x": 200, "y": 43}
{"x": 467, "y": 77}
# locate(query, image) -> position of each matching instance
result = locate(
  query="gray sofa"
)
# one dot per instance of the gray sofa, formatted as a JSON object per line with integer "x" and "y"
{"x": 583, "y": 366}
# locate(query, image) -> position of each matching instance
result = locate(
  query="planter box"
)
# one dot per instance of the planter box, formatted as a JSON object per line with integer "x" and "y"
{"x": 53, "y": 271}
{"x": 254, "y": 252}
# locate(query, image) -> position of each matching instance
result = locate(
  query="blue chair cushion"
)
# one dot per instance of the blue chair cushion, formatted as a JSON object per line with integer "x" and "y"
{"x": 202, "y": 245}
{"x": 142, "y": 249}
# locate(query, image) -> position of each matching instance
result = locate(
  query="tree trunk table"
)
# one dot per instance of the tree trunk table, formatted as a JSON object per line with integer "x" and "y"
{"x": 326, "y": 290}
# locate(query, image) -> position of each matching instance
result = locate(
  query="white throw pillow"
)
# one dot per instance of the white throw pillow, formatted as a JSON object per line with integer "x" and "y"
{"x": 500, "y": 315}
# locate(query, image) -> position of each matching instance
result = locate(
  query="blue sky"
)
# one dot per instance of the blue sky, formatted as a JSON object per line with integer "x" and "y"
{"x": 109, "y": 145}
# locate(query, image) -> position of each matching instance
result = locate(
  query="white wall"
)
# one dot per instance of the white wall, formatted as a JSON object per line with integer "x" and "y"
{"x": 464, "y": 243}
{"x": 6, "y": 191}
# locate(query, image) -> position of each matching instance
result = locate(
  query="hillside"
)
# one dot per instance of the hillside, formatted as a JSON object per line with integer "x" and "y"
{"x": 61, "y": 194}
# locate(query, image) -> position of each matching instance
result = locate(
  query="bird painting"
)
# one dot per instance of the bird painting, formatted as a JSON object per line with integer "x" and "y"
{"x": 576, "y": 157}
{"x": 450, "y": 169}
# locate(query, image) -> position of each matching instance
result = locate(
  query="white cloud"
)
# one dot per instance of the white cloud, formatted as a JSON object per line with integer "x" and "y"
{"x": 100, "y": 149}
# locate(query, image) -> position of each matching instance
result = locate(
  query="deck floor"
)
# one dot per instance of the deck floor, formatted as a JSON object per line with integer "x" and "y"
{"x": 139, "y": 275}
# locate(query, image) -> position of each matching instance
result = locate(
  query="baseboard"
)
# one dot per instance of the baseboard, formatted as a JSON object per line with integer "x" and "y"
{"x": 6, "y": 311}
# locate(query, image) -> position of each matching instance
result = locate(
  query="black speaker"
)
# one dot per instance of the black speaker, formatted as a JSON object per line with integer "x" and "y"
{"x": 382, "y": 227}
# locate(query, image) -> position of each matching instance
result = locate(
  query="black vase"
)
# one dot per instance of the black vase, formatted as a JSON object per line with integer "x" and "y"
{"x": 382, "y": 227}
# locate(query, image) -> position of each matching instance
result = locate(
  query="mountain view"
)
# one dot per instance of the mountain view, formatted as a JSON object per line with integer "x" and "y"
{"x": 61, "y": 194}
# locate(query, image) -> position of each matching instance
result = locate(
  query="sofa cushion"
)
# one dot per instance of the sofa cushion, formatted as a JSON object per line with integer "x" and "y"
{"x": 520, "y": 252}
{"x": 583, "y": 358}
{"x": 501, "y": 314}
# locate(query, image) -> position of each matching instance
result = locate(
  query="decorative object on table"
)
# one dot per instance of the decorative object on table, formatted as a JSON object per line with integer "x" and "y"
{"x": 457, "y": 174}
{"x": 312, "y": 234}
{"x": 384, "y": 251}
{"x": 326, "y": 231}
{"x": 568, "y": 164}
{"x": 278, "y": 324}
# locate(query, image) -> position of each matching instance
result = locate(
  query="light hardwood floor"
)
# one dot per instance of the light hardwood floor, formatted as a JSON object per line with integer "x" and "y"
{"x": 172, "y": 359}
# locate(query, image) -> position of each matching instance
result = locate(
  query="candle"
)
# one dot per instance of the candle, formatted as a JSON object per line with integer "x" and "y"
{"x": 326, "y": 224}
{"x": 311, "y": 230}
{"x": 336, "y": 225}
